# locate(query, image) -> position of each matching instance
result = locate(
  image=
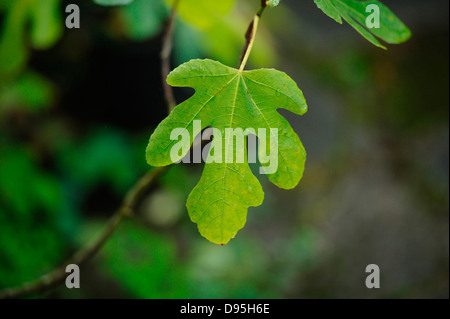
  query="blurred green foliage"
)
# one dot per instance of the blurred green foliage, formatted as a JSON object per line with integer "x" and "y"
{"x": 113, "y": 2}
{"x": 43, "y": 192}
{"x": 214, "y": 28}
{"x": 46, "y": 28}
{"x": 147, "y": 260}
{"x": 143, "y": 19}
{"x": 31, "y": 92}
{"x": 62, "y": 173}
{"x": 31, "y": 203}
{"x": 105, "y": 156}
{"x": 218, "y": 28}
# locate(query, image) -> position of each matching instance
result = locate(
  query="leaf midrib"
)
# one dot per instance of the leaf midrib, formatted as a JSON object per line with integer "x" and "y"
{"x": 227, "y": 147}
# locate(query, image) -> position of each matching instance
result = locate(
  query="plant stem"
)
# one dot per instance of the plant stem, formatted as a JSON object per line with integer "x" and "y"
{"x": 166, "y": 52}
{"x": 250, "y": 36}
{"x": 58, "y": 275}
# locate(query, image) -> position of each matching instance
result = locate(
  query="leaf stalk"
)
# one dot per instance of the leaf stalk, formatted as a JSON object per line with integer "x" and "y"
{"x": 250, "y": 36}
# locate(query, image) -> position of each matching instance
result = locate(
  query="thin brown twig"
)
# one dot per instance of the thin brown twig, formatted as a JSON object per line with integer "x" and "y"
{"x": 58, "y": 275}
{"x": 166, "y": 52}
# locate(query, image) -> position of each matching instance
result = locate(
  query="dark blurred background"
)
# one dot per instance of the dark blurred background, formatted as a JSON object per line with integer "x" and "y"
{"x": 77, "y": 108}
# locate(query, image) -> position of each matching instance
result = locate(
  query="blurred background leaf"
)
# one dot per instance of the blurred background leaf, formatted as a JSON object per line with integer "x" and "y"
{"x": 30, "y": 92}
{"x": 144, "y": 18}
{"x": 391, "y": 29}
{"x": 46, "y": 29}
{"x": 202, "y": 13}
{"x": 46, "y": 23}
{"x": 113, "y": 2}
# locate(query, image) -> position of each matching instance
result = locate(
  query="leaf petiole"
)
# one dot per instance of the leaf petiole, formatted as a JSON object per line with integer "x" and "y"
{"x": 250, "y": 35}
{"x": 251, "y": 39}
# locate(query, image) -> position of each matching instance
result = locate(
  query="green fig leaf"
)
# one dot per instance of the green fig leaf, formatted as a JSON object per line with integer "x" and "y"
{"x": 391, "y": 29}
{"x": 231, "y": 99}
